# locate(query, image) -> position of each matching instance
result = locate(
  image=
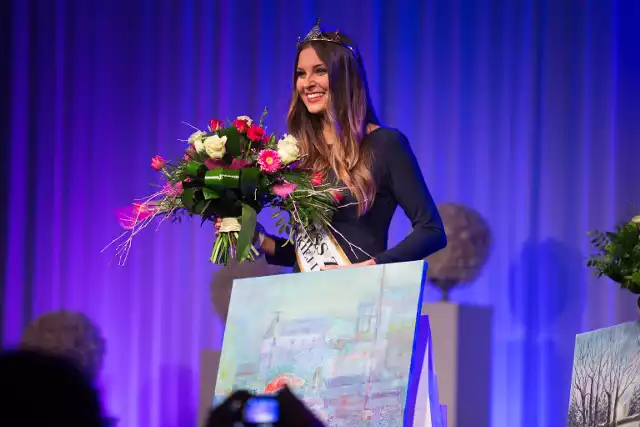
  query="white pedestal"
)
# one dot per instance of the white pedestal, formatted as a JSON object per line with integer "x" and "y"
{"x": 461, "y": 338}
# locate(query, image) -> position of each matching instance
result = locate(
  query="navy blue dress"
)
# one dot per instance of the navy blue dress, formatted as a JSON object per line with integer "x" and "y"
{"x": 399, "y": 182}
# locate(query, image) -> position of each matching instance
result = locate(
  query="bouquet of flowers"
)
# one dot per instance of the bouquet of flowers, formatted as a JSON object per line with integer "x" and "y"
{"x": 618, "y": 255}
{"x": 232, "y": 172}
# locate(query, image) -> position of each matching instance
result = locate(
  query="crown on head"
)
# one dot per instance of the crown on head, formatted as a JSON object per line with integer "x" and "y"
{"x": 316, "y": 34}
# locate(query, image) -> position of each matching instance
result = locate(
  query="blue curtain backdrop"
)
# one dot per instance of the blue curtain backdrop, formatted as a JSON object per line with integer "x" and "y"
{"x": 524, "y": 110}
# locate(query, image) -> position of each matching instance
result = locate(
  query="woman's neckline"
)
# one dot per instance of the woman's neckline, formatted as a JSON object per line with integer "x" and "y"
{"x": 374, "y": 129}
{"x": 371, "y": 129}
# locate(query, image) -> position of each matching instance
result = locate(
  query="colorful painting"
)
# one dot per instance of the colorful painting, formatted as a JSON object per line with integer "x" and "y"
{"x": 343, "y": 340}
{"x": 605, "y": 386}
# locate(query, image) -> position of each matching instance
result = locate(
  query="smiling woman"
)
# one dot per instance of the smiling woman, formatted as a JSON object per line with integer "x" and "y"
{"x": 312, "y": 81}
{"x": 343, "y": 143}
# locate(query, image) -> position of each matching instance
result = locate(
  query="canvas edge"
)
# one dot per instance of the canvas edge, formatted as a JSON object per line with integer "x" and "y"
{"x": 225, "y": 336}
{"x": 418, "y": 351}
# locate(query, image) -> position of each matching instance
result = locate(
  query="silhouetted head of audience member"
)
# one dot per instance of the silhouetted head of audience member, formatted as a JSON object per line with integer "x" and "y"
{"x": 70, "y": 334}
{"x": 290, "y": 411}
{"x": 41, "y": 390}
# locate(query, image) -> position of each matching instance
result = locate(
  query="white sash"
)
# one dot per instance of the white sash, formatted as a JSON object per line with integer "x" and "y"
{"x": 316, "y": 248}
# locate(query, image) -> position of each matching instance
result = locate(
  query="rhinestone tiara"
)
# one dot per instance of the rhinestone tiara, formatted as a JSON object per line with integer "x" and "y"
{"x": 316, "y": 34}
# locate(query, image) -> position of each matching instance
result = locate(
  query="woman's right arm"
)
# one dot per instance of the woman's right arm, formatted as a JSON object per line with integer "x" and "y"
{"x": 277, "y": 253}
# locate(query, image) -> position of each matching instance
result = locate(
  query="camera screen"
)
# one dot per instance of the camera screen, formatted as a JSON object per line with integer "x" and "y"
{"x": 261, "y": 410}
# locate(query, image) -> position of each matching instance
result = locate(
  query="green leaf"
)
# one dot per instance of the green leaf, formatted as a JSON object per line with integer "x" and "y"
{"x": 233, "y": 141}
{"x": 264, "y": 114}
{"x": 247, "y": 229}
{"x": 275, "y": 215}
{"x": 221, "y": 179}
{"x": 195, "y": 169}
{"x": 210, "y": 194}
{"x": 188, "y": 198}
{"x": 635, "y": 277}
{"x": 249, "y": 180}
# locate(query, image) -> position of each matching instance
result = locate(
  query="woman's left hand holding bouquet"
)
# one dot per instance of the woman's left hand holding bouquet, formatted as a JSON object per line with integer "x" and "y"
{"x": 267, "y": 244}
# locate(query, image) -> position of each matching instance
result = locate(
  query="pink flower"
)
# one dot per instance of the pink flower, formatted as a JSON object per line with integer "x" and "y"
{"x": 219, "y": 163}
{"x": 239, "y": 164}
{"x": 129, "y": 216}
{"x": 269, "y": 161}
{"x": 283, "y": 190}
{"x": 157, "y": 163}
{"x": 215, "y": 164}
{"x": 191, "y": 151}
{"x": 316, "y": 179}
{"x": 173, "y": 190}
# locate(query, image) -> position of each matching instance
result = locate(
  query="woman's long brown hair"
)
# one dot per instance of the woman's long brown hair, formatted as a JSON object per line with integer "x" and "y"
{"x": 349, "y": 113}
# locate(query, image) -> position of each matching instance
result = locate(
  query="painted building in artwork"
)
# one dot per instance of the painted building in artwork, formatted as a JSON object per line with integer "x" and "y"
{"x": 345, "y": 362}
{"x": 340, "y": 345}
{"x": 294, "y": 344}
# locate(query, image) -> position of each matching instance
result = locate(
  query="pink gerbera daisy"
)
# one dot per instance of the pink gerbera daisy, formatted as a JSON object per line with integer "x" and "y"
{"x": 269, "y": 161}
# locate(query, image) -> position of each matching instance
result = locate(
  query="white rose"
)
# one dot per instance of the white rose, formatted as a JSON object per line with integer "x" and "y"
{"x": 196, "y": 136}
{"x": 636, "y": 219}
{"x": 288, "y": 149}
{"x": 215, "y": 146}
{"x": 198, "y": 145}
{"x": 247, "y": 118}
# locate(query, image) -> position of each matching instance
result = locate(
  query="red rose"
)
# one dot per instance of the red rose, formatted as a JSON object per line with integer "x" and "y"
{"x": 157, "y": 163}
{"x": 316, "y": 179}
{"x": 337, "y": 195}
{"x": 266, "y": 139}
{"x": 255, "y": 133}
{"x": 215, "y": 125}
{"x": 241, "y": 125}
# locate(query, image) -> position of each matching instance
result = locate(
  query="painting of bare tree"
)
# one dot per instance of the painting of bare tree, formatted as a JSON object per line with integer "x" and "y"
{"x": 605, "y": 389}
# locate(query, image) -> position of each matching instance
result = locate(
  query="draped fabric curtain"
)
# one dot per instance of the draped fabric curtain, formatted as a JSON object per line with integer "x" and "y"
{"x": 523, "y": 110}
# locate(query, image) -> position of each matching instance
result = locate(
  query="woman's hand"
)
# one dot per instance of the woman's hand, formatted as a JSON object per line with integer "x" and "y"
{"x": 268, "y": 244}
{"x": 359, "y": 264}
{"x": 217, "y": 224}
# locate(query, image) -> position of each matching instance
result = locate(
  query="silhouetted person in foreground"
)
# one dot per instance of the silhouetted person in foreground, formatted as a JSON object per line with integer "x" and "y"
{"x": 42, "y": 390}
{"x": 292, "y": 412}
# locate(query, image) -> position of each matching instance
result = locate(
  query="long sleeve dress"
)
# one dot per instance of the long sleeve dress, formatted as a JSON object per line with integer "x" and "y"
{"x": 399, "y": 182}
